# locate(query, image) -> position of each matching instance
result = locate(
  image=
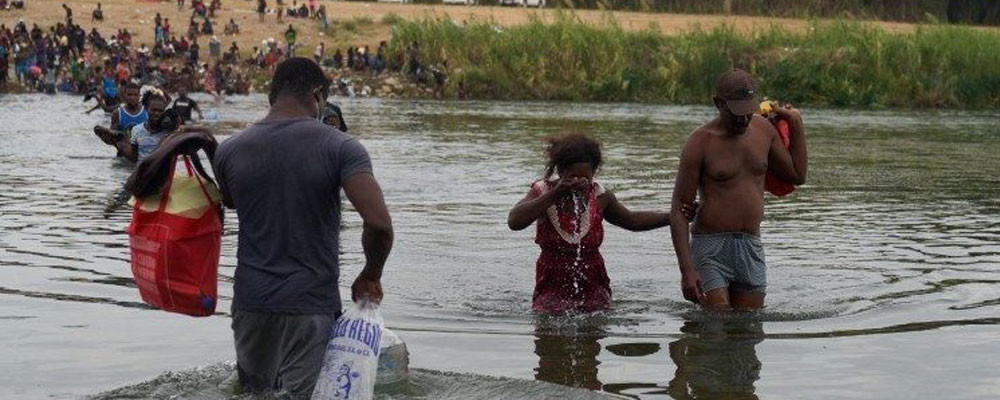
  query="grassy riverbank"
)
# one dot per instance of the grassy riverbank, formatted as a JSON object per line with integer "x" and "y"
{"x": 839, "y": 63}
{"x": 953, "y": 11}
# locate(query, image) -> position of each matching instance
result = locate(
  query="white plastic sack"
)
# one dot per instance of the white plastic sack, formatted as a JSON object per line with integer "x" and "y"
{"x": 351, "y": 359}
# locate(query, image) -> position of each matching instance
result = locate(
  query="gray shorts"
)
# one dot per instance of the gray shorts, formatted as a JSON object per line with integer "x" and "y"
{"x": 729, "y": 260}
{"x": 280, "y": 352}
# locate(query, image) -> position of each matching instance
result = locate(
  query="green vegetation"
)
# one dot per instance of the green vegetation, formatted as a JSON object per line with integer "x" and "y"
{"x": 391, "y": 19}
{"x": 979, "y": 12}
{"x": 955, "y": 11}
{"x": 844, "y": 64}
{"x": 347, "y": 31}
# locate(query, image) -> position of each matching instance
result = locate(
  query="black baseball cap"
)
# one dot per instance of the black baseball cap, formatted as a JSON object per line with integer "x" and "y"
{"x": 739, "y": 90}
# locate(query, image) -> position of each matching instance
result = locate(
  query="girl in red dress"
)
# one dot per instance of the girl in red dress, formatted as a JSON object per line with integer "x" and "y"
{"x": 570, "y": 209}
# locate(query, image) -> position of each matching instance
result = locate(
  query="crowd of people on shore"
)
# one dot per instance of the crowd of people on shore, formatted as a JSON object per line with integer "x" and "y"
{"x": 310, "y": 9}
{"x": 66, "y": 58}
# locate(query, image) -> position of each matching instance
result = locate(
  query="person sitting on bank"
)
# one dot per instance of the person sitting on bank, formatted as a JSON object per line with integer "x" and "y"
{"x": 232, "y": 28}
{"x": 207, "y": 28}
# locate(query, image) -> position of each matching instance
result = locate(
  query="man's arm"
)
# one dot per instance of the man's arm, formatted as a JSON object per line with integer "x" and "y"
{"x": 685, "y": 191}
{"x": 789, "y": 164}
{"x": 127, "y": 149}
{"x": 114, "y": 120}
{"x": 364, "y": 193}
{"x": 194, "y": 106}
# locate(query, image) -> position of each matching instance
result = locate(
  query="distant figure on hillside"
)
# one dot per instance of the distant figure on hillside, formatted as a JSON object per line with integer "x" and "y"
{"x": 290, "y": 35}
{"x": 213, "y": 7}
{"x": 232, "y": 28}
{"x": 69, "y": 12}
{"x": 207, "y": 28}
{"x": 321, "y": 15}
{"x": 98, "y": 14}
{"x": 261, "y": 9}
{"x": 414, "y": 67}
{"x": 214, "y": 47}
{"x": 319, "y": 53}
{"x": 193, "y": 52}
{"x": 193, "y": 29}
{"x": 232, "y": 56}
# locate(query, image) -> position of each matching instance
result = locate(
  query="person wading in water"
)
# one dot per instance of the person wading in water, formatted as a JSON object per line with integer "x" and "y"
{"x": 283, "y": 175}
{"x": 722, "y": 261}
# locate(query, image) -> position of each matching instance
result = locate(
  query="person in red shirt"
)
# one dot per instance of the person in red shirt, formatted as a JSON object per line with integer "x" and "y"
{"x": 569, "y": 211}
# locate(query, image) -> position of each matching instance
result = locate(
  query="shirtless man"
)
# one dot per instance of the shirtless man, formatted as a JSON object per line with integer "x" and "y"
{"x": 722, "y": 265}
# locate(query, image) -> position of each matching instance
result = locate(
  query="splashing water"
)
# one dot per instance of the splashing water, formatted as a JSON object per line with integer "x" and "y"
{"x": 579, "y": 209}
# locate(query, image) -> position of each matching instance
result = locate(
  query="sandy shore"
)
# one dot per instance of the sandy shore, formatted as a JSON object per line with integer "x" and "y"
{"x": 137, "y": 17}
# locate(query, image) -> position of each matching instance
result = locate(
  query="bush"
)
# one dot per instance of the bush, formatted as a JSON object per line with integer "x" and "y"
{"x": 837, "y": 63}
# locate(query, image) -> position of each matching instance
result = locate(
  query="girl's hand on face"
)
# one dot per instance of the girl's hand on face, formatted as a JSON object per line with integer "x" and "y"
{"x": 567, "y": 185}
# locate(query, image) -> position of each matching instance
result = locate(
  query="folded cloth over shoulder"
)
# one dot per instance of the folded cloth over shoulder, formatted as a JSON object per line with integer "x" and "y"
{"x": 151, "y": 174}
{"x": 772, "y": 183}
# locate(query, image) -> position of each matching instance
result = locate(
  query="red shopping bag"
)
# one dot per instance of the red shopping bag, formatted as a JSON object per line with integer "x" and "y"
{"x": 175, "y": 254}
{"x": 772, "y": 183}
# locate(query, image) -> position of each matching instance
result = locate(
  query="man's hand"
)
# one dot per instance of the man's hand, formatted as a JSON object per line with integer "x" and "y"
{"x": 691, "y": 286}
{"x": 106, "y": 135}
{"x": 787, "y": 112}
{"x": 366, "y": 287}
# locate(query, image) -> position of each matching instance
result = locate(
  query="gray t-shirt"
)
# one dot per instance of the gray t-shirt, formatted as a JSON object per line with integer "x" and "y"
{"x": 144, "y": 141}
{"x": 284, "y": 179}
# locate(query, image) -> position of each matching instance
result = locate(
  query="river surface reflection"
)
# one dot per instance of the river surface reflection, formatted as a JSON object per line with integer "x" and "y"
{"x": 884, "y": 271}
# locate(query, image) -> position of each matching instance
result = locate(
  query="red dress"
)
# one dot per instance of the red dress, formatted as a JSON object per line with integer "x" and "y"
{"x": 570, "y": 274}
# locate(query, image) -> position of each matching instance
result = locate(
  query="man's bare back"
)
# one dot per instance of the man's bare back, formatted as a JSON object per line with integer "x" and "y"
{"x": 722, "y": 264}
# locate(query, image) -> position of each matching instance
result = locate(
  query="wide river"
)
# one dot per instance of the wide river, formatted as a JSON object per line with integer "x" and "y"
{"x": 884, "y": 270}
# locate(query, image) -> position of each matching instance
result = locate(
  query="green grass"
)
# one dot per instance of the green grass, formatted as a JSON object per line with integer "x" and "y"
{"x": 392, "y": 19}
{"x": 983, "y": 12}
{"x": 842, "y": 63}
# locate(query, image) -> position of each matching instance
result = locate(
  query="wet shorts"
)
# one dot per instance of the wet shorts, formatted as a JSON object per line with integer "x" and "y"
{"x": 729, "y": 260}
{"x": 281, "y": 353}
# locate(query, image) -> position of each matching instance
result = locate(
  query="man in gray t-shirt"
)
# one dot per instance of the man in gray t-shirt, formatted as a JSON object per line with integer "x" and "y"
{"x": 283, "y": 175}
